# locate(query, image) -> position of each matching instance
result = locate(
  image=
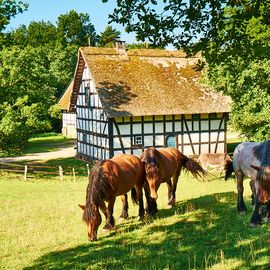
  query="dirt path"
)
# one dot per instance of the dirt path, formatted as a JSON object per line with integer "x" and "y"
{"x": 62, "y": 153}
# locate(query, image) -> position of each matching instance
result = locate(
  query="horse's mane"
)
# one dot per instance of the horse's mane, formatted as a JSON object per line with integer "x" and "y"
{"x": 262, "y": 153}
{"x": 97, "y": 188}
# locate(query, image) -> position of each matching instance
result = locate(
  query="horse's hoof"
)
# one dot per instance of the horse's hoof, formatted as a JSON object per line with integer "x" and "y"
{"x": 254, "y": 225}
{"x": 105, "y": 230}
{"x": 140, "y": 218}
{"x": 121, "y": 219}
{"x": 266, "y": 220}
{"x": 169, "y": 206}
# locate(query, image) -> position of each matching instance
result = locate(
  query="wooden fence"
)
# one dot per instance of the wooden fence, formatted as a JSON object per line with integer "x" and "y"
{"x": 60, "y": 171}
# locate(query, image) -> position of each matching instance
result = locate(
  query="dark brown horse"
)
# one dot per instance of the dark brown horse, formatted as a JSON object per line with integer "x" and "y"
{"x": 252, "y": 160}
{"x": 107, "y": 180}
{"x": 166, "y": 163}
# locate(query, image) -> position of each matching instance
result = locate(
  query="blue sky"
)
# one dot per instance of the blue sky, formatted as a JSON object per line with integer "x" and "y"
{"x": 49, "y": 10}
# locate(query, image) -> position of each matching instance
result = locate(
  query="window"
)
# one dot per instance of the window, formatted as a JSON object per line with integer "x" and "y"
{"x": 137, "y": 140}
{"x": 84, "y": 138}
{"x": 87, "y": 93}
{"x": 171, "y": 141}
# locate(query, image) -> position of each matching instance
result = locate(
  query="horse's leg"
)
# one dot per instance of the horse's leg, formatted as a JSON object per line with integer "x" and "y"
{"x": 104, "y": 209}
{"x": 174, "y": 186}
{"x": 151, "y": 204}
{"x": 171, "y": 199}
{"x": 266, "y": 214}
{"x": 252, "y": 187}
{"x": 110, "y": 223}
{"x": 139, "y": 195}
{"x": 256, "y": 218}
{"x": 124, "y": 213}
{"x": 241, "y": 207}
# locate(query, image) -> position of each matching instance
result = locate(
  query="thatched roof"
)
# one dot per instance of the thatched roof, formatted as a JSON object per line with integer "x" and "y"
{"x": 64, "y": 101}
{"x": 149, "y": 82}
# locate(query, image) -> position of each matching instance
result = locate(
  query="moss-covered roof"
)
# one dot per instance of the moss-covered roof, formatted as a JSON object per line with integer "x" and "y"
{"x": 157, "y": 83}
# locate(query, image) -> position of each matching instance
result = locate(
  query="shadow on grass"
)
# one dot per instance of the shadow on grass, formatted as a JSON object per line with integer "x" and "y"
{"x": 195, "y": 234}
{"x": 46, "y": 146}
{"x": 70, "y": 161}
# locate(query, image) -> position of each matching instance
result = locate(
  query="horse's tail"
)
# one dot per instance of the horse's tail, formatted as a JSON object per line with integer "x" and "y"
{"x": 228, "y": 169}
{"x": 192, "y": 166}
{"x": 134, "y": 196}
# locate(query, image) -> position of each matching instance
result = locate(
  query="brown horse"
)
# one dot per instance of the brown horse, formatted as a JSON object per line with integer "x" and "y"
{"x": 107, "y": 180}
{"x": 166, "y": 163}
{"x": 252, "y": 160}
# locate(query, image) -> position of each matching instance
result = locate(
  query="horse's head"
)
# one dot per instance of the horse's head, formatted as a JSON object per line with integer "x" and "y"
{"x": 151, "y": 165}
{"x": 263, "y": 172}
{"x": 263, "y": 177}
{"x": 92, "y": 218}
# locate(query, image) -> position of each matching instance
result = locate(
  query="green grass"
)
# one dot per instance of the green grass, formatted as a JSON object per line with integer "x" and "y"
{"x": 42, "y": 228}
{"x": 46, "y": 142}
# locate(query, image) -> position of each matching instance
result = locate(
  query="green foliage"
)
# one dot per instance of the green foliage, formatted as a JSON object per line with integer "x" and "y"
{"x": 248, "y": 85}
{"x": 8, "y": 9}
{"x": 37, "y": 64}
{"x": 234, "y": 38}
{"x": 62, "y": 62}
{"x": 108, "y": 37}
{"x": 72, "y": 29}
{"x": 75, "y": 29}
{"x": 29, "y": 82}
{"x": 139, "y": 45}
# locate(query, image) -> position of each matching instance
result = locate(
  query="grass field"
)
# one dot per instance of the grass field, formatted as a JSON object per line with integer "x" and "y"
{"x": 46, "y": 142}
{"x": 42, "y": 228}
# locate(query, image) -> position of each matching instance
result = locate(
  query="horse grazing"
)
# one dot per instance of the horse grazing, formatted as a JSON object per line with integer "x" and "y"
{"x": 107, "y": 180}
{"x": 166, "y": 163}
{"x": 252, "y": 160}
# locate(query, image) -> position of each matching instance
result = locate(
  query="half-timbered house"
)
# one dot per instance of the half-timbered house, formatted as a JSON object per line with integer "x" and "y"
{"x": 126, "y": 101}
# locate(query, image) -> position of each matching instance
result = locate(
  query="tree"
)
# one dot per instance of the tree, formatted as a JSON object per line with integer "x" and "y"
{"x": 76, "y": 29}
{"x": 40, "y": 33}
{"x": 28, "y": 83}
{"x": 139, "y": 45}
{"x": 36, "y": 34}
{"x": 62, "y": 62}
{"x": 108, "y": 37}
{"x": 234, "y": 38}
{"x": 8, "y": 9}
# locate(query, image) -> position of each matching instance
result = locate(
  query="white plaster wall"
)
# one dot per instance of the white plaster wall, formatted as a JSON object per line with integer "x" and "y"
{"x": 148, "y": 128}
{"x": 148, "y": 140}
{"x": 159, "y": 139}
{"x": 137, "y": 128}
{"x": 159, "y": 128}
{"x": 124, "y": 129}
{"x": 169, "y": 127}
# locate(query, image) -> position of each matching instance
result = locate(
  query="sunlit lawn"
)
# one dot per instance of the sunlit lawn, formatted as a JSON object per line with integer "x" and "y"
{"x": 46, "y": 142}
{"x": 42, "y": 228}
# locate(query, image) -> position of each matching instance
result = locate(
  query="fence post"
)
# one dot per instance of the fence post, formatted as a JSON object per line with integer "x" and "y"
{"x": 61, "y": 174}
{"x": 88, "y": 171}
{"x": 74, "y": 176}
{"x": 25, "y": 172}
